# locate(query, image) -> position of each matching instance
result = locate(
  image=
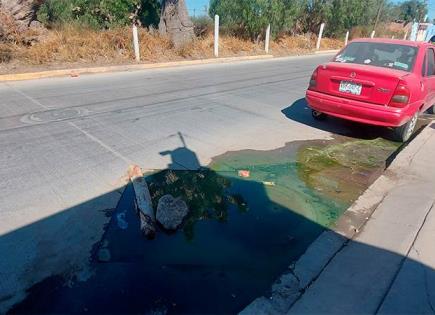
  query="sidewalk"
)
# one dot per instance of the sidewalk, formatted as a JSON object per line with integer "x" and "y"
{"x": 387, "y": 265}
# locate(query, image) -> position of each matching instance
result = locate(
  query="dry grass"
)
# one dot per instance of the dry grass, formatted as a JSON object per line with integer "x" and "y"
{"x": 74, "y": 46}
{"x": 331, "y": 43}
{"x": 385, "y": 30}
{"x": 295, "y": 44}
{"x": 302, "y": 44}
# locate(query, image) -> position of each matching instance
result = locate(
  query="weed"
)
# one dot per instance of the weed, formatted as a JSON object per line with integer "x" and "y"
{"x": 6, "y": 53}
{"x": 77, "y": 44}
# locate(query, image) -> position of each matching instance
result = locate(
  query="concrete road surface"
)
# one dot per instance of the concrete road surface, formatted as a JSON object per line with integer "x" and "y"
{"x": 66, "y": 144}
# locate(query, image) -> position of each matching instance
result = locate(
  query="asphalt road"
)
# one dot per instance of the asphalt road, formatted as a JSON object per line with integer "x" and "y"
{"x": 66, "y": 144}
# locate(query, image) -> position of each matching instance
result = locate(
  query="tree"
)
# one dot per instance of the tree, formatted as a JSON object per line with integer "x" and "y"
{"x": 21, "y": 12}
{"x": 175, "y": 22}
{"x": 315, "y": 13}
{"x": 100, "y": 14}
{"x": 249, "y": 18}
{"x": 346, "y": 14}
{"x": 413, "y": 10}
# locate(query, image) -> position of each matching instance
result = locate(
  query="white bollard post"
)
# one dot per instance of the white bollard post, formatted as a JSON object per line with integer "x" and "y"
{"x": 372, "y": 34}
{"x": 266, "y": 48}
{"x": 392, "y": 37}
{"x": 136, "y": 43}
{"x": 216, "y": 35}
{"x": 406, "y": 35}
{"x": 322, "y": 26}
{"x": 347, "y": 38}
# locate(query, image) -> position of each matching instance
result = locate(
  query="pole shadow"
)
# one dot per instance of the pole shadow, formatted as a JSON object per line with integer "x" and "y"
{"x": 301, "y": 113}
{"x": 182, "y": 157}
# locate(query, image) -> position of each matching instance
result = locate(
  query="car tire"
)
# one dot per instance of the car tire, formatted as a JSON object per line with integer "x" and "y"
{"x": 318, "y": 115}
{"x": 404, "y": 132}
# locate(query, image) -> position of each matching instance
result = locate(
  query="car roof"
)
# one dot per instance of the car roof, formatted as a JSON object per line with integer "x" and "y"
{"x": 393, "y": 41}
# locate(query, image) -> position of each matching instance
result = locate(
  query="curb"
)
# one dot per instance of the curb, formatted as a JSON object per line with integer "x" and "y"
{"x": 291, "y": 285}
{"x": 322, "y": 52}
{"x": 135, "y": 67}
{"x": 124, "y": 68}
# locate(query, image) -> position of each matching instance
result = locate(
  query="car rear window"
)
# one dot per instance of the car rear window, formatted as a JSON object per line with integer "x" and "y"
{"x": 394, "y": 56}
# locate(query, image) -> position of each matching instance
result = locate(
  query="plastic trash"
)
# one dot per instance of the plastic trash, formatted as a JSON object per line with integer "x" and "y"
{"x": 121, "y": 220}
{"x": 269, "y": 183}
{"x": 244, "y": 173}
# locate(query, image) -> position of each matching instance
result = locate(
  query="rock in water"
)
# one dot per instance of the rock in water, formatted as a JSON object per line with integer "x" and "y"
{"x": 104, "y": 255}
{"x": 171, "y": 212}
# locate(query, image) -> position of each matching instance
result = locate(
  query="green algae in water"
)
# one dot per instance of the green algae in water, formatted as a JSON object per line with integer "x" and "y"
{"x": 343, "y": 170}
{"x": 318, "y": 180}
{"x": 204, "y": 191}
{"x": 280, "y": 168}
{"x": 351, "y": 154}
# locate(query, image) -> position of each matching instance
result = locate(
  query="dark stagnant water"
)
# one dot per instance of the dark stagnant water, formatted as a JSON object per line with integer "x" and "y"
{"x": 242, "y": 233}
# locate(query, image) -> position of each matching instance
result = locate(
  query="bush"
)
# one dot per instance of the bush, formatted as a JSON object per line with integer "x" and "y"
{"x": 203, "y": 26}
{"x": 6, "y": 53}
{"x": 249, "y": 18}
{"x": 99, "y": 14}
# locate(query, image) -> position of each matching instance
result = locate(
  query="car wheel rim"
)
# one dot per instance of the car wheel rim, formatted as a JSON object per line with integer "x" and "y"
{"x": 411, "y": 128}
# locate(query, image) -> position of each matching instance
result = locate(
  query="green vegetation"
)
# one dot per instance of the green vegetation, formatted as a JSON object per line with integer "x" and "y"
{"x": 412, "y": 9}
{"x": 203, "y": 191}
{"x": 243, "y": 18}
{"x": 99, "y": 14}
{"x": 249, "y": 18}
{"x": 343, "y": 170}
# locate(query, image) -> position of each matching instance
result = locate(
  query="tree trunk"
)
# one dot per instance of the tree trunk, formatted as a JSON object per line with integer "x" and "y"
{"x": 22, "y": 11}
{"x": 175, "y": 22}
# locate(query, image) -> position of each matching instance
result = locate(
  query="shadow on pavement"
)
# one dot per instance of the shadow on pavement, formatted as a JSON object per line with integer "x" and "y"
{"x": 300, "y": 112}
{"x": 232, "y": 257}
{"x": 182, "y": 157}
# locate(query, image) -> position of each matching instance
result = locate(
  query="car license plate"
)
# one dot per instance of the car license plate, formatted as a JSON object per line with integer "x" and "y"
{"x": 350, "y": 87}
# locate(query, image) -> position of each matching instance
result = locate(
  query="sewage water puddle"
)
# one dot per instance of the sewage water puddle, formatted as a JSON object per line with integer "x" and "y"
{"x": 241, "y": 233}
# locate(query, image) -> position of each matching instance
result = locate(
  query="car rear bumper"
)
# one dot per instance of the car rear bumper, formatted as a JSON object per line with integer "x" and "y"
{"x": 357, "y": 111}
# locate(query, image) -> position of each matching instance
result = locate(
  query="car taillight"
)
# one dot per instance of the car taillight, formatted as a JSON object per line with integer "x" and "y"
{"x": 401, "y": 95}
{"x": 313, "y": 80}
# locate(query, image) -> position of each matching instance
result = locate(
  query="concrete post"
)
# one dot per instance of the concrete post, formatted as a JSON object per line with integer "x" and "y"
{"x": 373, "y": 34}
{"x": 136, "y": 43}
{"x": 144, "y": 205}
{"x": 346, "y": 38}
{"x": 216, "y": 35}
{"x": 322, "y": 26}
{"x": 267, "y": 42}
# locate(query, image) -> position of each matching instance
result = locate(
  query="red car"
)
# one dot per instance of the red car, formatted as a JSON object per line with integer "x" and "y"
{"x": 376, "y": 81}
